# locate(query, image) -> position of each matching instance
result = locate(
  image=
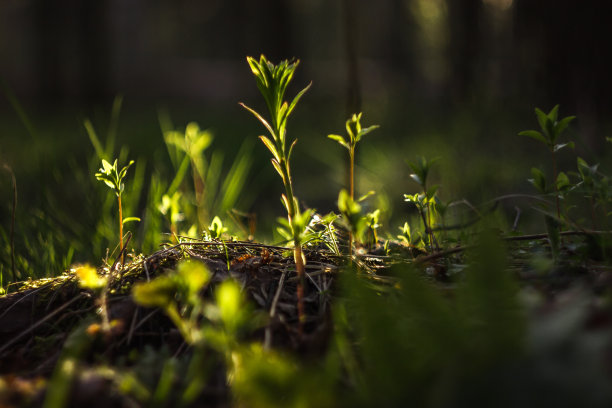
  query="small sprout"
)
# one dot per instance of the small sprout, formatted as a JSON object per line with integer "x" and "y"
{"x": 405, "y": 235}
{"x": 216, "y": 228}
{"x": 427, "y": 198}
{"x": 550, "y": 130}
{"x": 113, "y": 178}
{"x": 351, "y": 212}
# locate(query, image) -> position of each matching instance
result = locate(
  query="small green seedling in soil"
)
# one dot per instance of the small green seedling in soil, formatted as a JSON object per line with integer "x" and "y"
{"x": 216, "y": 228}
{"x": 113, "y": 178}
{"x": 355, "y": 133}
{"x": 595, "y": 187}
{"x": 350, "y": 209}
{"x": 551, "y": 128}
{"x": 426, "y": 199}
{"x": 272, "y": 81}
{"x": 170, "y": 207}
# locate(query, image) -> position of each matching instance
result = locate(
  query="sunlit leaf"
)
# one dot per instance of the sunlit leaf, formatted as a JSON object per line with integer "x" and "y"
{"x": 130, "y": 219}
{"x": 89, "y": 278}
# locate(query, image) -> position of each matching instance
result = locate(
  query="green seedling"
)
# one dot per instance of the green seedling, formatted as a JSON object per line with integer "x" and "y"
{"x": 550, "y": 130}
{"x": 216, "y": 228}
{"x": 425, "y": 200}
{"x": 171, "y": 208}
{"x": 355, "y": 132}
{"x": 350, "y": 209}
{"x": 595, "y": 186}
{"x": 372, "y": 226}
{"x": 272, "y": 81}
{"x": 113, "y": 178}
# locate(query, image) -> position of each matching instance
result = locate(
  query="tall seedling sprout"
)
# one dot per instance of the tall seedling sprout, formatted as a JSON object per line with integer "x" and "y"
{"x": 272, "y": 81}
{"x": 355, "y": 133}
{"x": 551, "y": 127}
{"x": 113, "y": 178}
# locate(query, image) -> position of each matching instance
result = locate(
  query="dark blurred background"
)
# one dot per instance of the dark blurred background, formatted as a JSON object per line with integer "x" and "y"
{"x": 456, "y": 79}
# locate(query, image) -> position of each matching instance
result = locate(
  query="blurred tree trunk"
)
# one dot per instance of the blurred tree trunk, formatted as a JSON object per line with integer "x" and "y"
{"x": 48, "y": 18}
{"x": 72, "y": 49}
{"x": 350, "y": 19}
{"x": 464, "y": 45}
{"x": 93, "y": 49}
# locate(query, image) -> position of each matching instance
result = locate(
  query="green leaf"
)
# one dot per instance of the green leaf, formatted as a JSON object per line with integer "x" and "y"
{"x": 130, "y": 219}
{"x": 261, "y": 119}
{"x": 560, "y": 146}
{"x": 416, "y": 178}
{"x": 346, "y": 204}
{"x": 535, "y": 135}
{"x": 291, "y": 149}
{"x": 339, "y": 139}
{"x": 367, "y": 130}
{"x": 278, "y": 168}
{"x": 366, "y": 195}
{"x": 538, "y": 180}
{"x": 563, "y": 123}
{"x": 297, "y": 99}
{"x": 553, "y": 114}
{"x": 562, "y": 182}
{"x": 542, "y": 118}
{"x": 270, "y": 147}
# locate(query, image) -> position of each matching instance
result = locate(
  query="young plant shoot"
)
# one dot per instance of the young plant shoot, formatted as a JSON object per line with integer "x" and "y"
{"x": 551, "y": 128}
{"x": 424, "y": 200}
{"x": 355, "y": 133}
{"x": 272, "y": 81}
{"x": 113, "y": 178}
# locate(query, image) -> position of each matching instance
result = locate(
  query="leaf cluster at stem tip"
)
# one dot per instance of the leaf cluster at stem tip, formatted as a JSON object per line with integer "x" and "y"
{"x": 354, "y": 131}
{"x": 113, "y": 177}
{"x": 550, "y": 128}
{"x": 272, "y": 81}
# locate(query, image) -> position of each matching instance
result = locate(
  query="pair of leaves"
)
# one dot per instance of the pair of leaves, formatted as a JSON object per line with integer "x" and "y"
{"x": 216, "y": 228}
{"x": 354, "y": 131}
{"x": 551, "y": 128}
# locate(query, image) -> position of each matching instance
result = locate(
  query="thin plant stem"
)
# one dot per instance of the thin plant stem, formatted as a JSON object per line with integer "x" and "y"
{"x": 121, "y": 229}
{"x": 554, "y": 163}
{"x": 297, "y": 250}
{"x": 352, "y": 194}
